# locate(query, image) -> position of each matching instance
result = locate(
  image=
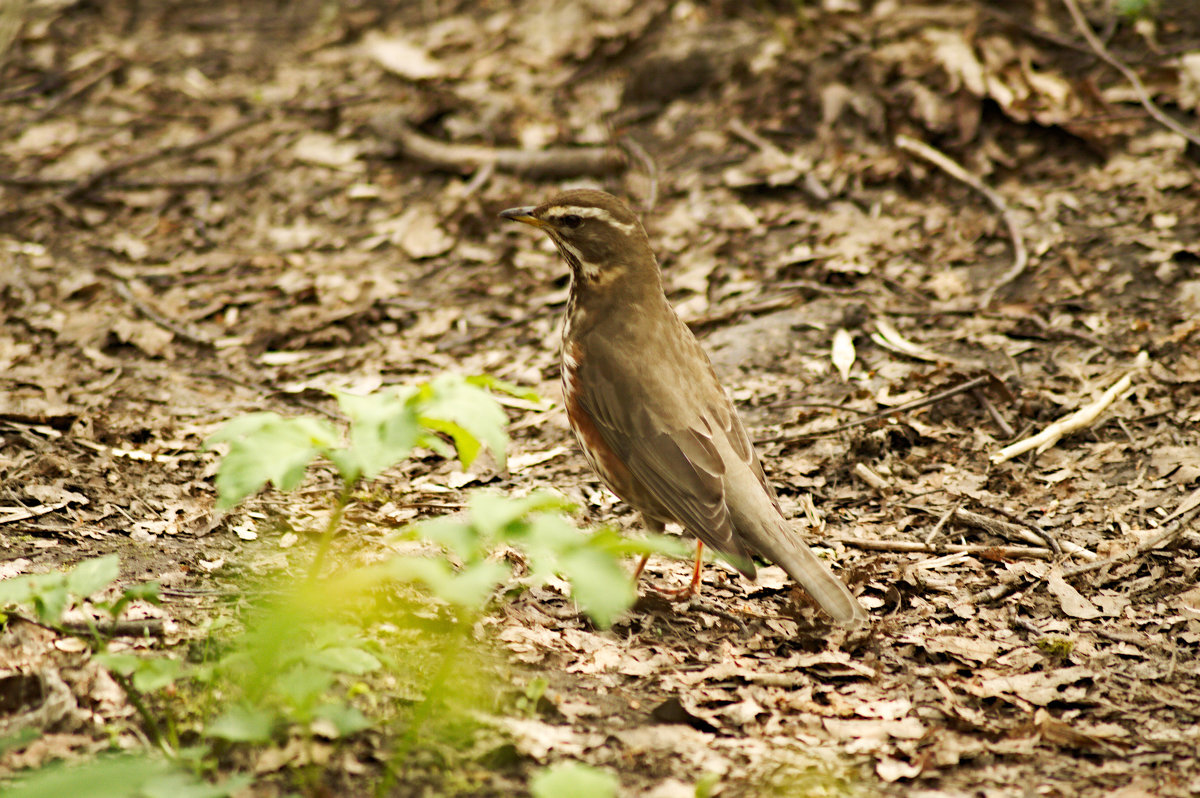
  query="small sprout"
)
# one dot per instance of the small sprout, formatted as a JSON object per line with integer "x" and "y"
{"x": 1056, "y": 646}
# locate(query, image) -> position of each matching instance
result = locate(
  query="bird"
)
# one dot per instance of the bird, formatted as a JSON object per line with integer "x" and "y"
{"x": 648, "y": 410}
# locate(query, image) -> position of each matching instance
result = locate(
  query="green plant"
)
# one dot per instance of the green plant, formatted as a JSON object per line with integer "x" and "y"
{"x": 120, "y": 776}
{"x": 1055, "y": 646}
{"x": 408, "y": 619}
{"x": 281, "y": 673}
{"x": 1132, "y": 10}
{"x": 574, "y": 779}
{"x": 51, "y": 595}
{"x": 384, "y": 428}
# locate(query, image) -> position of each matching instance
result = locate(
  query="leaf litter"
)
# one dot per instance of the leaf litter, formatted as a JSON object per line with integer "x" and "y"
{"x": 174, "y": 260}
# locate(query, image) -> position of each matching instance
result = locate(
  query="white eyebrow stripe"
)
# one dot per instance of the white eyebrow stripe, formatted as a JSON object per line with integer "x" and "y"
{"x": 591, "y": 213}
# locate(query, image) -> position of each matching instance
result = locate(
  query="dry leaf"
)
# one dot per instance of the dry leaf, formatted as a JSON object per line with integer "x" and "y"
{"x": 843, "y": 352}
{"x": 401, "y": 57}
{"x": 1069, "y": 599}
{"x": 322, "y": 149}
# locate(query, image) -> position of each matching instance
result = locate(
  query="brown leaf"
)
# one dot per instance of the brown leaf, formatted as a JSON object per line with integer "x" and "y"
{"x": 1069, "y": 598}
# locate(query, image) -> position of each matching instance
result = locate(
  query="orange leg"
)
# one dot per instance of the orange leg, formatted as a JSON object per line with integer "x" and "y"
{"x": 683, "y": 592}
{"x": 641, "y": 566}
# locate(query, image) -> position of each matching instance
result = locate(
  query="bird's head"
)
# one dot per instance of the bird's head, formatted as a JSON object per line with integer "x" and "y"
{"x": 598, "y": 236}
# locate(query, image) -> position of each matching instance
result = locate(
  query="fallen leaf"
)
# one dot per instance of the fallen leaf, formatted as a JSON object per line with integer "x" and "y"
{"x": 890, "y": 769}
{"x": 1069, "y": 598}
{"x": 401, "y": 57}
{"x": 843, "y": 352}
{"x": 1039, "y": 688}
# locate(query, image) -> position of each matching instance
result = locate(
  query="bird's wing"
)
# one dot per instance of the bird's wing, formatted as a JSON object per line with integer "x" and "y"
{"x": 744, "y": 449}
{"x": 674, "y": 461}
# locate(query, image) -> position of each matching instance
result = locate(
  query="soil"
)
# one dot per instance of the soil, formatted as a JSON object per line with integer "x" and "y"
{"x": 212, "y": 209}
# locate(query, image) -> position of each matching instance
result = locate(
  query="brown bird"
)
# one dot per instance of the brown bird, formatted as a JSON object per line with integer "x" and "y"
{"x": 647, "y": 408}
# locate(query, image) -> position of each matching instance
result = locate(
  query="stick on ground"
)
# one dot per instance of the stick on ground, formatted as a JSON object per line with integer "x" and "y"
{"x": 1082, "y": 418}
{"x": 555, "y": 162}
{"x": 950, "y": 167}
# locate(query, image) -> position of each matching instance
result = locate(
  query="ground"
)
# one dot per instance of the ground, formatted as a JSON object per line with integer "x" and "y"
{"x": 211, "y": 209}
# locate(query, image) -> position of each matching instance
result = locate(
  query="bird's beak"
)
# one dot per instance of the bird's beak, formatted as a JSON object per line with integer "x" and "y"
{"x": 523, "y": 215}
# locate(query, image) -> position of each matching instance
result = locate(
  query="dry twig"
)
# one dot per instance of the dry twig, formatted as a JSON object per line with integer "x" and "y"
{"x": 121, "y": 286}
{"x": 941, "y": 524}
{"x": 1138, "y": 87}
{"x": 106, "y": 173}
{"x": 113, "y": 66}
{"x": 887, "y": 336}
{"x": 137, "y": 627}
{"x": 125, "y": 627}
{"x": 1028, "y": 533}
{"x": 1082, "y": 418}
{"x": 867, "y": 475}
{"x": 950, "y": 167}
{"x": 1005, "y": 428}
{"x": 969, "y": 385}
{"x": 907, "y": 546}
{"x": 552, "y": 163}
{"x": 9, "y": 515}
{"x": 1167, "y": 534}
{"x": 1013, "y": 582}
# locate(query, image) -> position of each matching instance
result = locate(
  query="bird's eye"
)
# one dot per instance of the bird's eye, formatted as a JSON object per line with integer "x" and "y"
{"x": 572, "y": 221}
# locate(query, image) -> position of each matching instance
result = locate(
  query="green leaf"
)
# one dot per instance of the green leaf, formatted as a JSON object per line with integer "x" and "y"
{"x": 425, "y": 570}
{"x": 120, "y": 776}
{"x": 92, "y": 576}
{"x": 344, "y": 659}
{"x": 599, "y": 584}
{"x": 546, "y": 539}
{"x": 155, "y": 673}
{"x": 303, "y": 684}
{"x": 149, "y": 673}
{"x": 467, "y": 445}
{"x": 438, "y": 446}
{"x": 123, "y": 776}
{"x": 331, "y": 633}
{"x": 266, "y": 447}
{"x": 1133, "y": 9}
{"x": 346, "y": 719}
{"x": 706, "y": 784}
{"x": 459, "y": 537}
{"x": 242, "y": 725}
{"x": 575, "y": 780}
{"x": 495, "y": 515}
{"x": 19, "y": 589}
{"x": 469, "y": 414}
{"x": 383, "y": 430}
{"x": 186, "y": 785}
{"x": 46, "y": 592}
{"x": 52, "y": 602}
{"x": 470, "y": 588}
{"x": 144, "y": 591}
{"x": 497, "y": 385}
{"x": 617, "y": 544}
{"x": 123, "y": 664}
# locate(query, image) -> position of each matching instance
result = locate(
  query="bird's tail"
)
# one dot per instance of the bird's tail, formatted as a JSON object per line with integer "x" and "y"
{"x": 782, "y": 546}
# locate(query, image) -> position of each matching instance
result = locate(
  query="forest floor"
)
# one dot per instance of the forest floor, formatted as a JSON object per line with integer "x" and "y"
{"x": 218, "y": 208}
